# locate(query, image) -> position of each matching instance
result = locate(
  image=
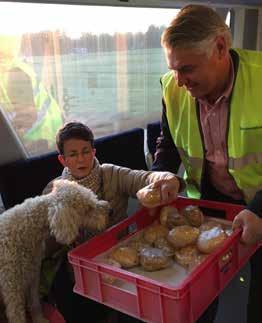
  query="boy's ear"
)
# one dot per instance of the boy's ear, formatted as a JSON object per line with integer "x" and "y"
{"x": 94, "y": 151}
{"x": 61, "y": 160}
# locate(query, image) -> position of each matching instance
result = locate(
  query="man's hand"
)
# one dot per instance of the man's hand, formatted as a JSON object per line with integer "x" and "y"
{"x": 251, "y": 225}
{"x": 169, "y": 189}
{"x": 160, "y": 192}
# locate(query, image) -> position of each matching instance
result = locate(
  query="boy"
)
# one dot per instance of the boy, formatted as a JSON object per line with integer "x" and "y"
{"x": 75, "y": 144}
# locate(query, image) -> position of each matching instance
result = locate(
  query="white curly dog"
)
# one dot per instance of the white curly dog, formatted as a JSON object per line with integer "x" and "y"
{"x": 23, "y": 231}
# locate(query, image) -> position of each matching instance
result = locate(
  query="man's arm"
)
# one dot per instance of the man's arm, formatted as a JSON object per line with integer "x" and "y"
{"x": 250, "y": 220}
{"x": 166, "y": 157}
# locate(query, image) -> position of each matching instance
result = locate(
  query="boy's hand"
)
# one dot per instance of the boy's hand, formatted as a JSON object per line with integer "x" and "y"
{"x": 251, "y": 225}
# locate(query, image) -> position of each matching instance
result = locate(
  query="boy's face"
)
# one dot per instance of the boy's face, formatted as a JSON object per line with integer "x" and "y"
{"x": 78, "y": 157}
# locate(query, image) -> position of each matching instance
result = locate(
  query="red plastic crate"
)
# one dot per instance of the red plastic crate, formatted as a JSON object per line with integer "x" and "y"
{"x": 148, "y": 299}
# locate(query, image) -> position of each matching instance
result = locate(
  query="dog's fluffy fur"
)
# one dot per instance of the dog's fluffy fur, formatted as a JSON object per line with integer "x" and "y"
{"x": 24, "y": 229}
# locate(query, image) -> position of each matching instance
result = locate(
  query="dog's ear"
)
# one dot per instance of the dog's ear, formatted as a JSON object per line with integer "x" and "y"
{"x": 98, "y": 218}
{"x": 64, "y": 223}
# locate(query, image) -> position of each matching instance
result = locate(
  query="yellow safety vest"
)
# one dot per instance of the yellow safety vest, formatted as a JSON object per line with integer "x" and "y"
{"x": 244, "y": 127}
{"x": 49, "y": 113}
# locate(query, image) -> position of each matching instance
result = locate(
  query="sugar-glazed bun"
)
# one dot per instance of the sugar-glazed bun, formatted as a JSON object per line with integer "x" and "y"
{"x": 163, "y": 244}
{"x": 126, "y": 256}
{"x": 210, "y": 240}
{"x": 193, "y": 215}
{"x": 149, "y": 197}
{"x": 138, "y": 244}
{"x": 183, "y": 236}
{"x": 152, "y": 259}
{"x": 185, "y": 256}
{"x": 154, "y": 232}
{"x": 196, "y": 261}
{"x": 209, "y": 225}
{"x": 109, "y": 278}
{"x": 170, "y": 217}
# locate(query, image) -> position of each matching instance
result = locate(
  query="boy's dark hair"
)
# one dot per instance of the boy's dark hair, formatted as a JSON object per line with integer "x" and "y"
{"x": 73, "y": 130}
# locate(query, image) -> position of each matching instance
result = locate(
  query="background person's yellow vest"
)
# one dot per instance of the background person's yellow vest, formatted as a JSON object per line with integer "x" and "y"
{"x": 244, "y": 127}
{"x": 49, "y": 115}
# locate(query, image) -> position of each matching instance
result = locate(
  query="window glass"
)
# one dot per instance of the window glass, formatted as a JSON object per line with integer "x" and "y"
{"x": 99, "y": 65}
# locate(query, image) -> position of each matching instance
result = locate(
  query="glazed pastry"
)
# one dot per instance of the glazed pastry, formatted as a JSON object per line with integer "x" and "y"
{"x": 108, "y": 278}
{"x": 210, "y": 240}
{"x": 209, "y": 225}
{"x": 193, "y": 215}
{"x": 170, "y": 217}
{"x": 163, "y": 244}
{"x": 186, "y": 255}
{"x": 154, "y": 232}
{"x": 183, "y": 236}
{"x": 138, "y": 244}
{"x": 197, "y": 260}
{"x": 152, "y": 259}
{"x": 149, "y": 197}
{"x": 126, "y": 256}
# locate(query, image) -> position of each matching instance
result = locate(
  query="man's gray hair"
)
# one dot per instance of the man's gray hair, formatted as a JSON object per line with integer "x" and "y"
{"x": 196, "y": 27}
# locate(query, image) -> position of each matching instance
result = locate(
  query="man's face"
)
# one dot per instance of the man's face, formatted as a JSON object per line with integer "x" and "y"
{"x": 195, "y": 71}
{"x": 78, "y": 157}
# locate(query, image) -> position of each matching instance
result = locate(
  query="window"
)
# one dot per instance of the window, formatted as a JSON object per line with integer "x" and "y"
{"x": 97, "y": 64}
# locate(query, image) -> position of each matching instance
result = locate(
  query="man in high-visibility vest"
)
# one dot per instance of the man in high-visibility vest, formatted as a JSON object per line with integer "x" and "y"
{"x": 33, "y": 111}
{"x": 212, "y": 123}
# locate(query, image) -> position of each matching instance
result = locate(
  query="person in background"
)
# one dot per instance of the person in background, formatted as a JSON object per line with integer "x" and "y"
{"x": 212, "y": 123}
{"x": 33, "y": 111}
{"x": 75, "y": 144}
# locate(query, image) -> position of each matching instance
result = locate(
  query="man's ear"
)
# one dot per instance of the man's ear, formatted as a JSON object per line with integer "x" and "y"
{"x": 94, "y": 152}
{"x": 61, "y": 160}
{"x": 221, "y": 46}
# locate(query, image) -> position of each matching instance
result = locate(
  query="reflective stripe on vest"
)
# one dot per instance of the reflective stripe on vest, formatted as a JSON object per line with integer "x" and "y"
{"x": 238, "y": 163}
{"x": 245, "y": 127}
